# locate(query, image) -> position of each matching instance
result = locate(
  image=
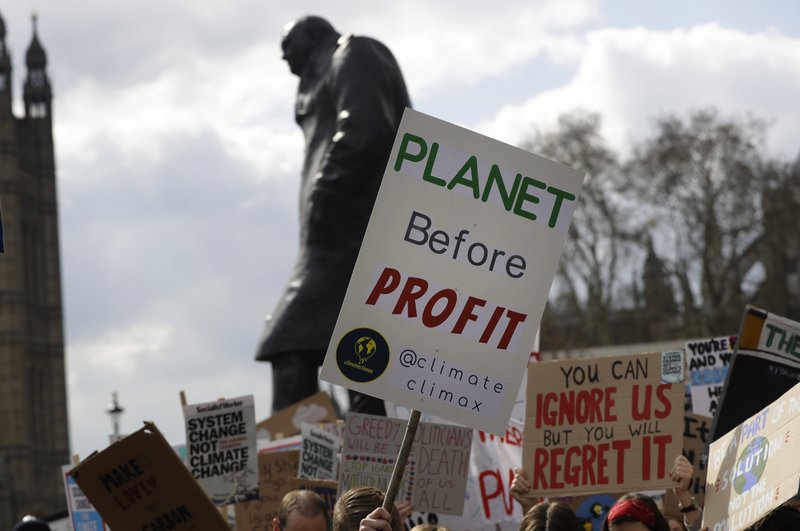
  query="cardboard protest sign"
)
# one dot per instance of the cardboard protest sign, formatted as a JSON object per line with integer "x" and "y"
{"x": 295, "y": 442}
{"x": 318, "y": 459}
{"x": 603, "y": 424}
{"x": 275, "y": 472}
{"x": 287, "y": 422}
{"x": 765, "y": 364}
{"x": 696, "y": 436}
{"x": 221, "y": 448}
{"x": 82, "y": 514}
{"x": 453, "y": 274}
{"x": 708, "y": 361}
{"x": 436, "y": 475}
{"x": 140, "y": 483}
{"x": 754, "y": 468}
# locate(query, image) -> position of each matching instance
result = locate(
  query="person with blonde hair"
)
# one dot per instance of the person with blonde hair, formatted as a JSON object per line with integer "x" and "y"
{"x": 356, "y": 510}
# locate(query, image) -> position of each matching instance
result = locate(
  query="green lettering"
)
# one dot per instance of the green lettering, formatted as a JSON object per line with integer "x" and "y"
{"x": 497, "y": 178}
{"x": 560, "y": 196}
{"x": 772, "y": 329}
{"x": 427, "y": 175}
{"x": 785, "y": 343}
{"x": 470, "y": 166}
{"x": 403, "y": 153}
{"x": 525, "y": 196}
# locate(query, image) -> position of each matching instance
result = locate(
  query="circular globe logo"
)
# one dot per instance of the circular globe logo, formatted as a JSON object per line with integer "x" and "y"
{"x": 365, "y": 348}
{"x": 750, "y": 465}
{"x": 362, "y": 355}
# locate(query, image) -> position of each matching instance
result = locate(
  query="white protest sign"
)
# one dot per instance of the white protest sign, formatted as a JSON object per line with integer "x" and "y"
{"x": 82, "y": 514}
{"x": 445, "y": 299}
{"x": 221, "y": 448}
{"x": 754, "y": 468}
{"x": 436, "y": 475}
{"x": 318, "y": 459}
{"x": 708, "y": 361}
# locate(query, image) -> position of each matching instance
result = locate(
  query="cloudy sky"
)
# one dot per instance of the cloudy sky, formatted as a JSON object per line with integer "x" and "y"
{"x": 178, "y": 156}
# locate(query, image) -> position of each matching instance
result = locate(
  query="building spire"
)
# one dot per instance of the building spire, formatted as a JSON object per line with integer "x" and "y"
{"x": 36, "y": 91}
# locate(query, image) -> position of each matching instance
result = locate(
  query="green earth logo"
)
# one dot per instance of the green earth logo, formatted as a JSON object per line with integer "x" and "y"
{"x": 365, "y": 348}
{"x": 750, "y": 465}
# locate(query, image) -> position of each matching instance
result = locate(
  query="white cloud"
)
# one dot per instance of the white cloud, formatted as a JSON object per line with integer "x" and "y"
{"x": 631, "y": 76}
{"x": 178, "y": 156}
{"x": 124, "y": 351}
{"x": 229, "y": 96}
{"x": 439, "y": 47}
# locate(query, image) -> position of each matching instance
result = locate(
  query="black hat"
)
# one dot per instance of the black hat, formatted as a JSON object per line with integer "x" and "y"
{"x": 31, "y": 523}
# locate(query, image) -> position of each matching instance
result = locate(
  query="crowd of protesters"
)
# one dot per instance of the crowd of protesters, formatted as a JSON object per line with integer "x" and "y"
{"x": 632, "y": 512}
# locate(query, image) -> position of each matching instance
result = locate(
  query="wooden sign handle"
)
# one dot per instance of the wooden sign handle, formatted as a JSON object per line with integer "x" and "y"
{"x": 402, "y": 459}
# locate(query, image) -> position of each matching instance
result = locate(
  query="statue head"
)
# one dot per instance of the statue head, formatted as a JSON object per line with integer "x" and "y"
{"x": 301, "y": 37}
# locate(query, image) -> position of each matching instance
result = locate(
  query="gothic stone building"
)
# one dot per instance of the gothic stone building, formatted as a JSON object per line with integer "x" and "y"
{"x": 34, "y": 442}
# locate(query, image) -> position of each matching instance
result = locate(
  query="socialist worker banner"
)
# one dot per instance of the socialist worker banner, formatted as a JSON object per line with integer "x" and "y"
{"x": 598, "y": 425}
{"x": 453, "y": 274}
{"x": 221, "y": 448}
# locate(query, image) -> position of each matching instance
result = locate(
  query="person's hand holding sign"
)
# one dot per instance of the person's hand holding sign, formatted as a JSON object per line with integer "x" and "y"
{"x": 377, "y": 519}
{"x": 682, "y": 473}
{"x": 521, "y": 490}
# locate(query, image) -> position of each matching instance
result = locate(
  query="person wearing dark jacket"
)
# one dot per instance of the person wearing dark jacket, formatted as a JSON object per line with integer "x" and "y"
{"x": 350, "y": 98}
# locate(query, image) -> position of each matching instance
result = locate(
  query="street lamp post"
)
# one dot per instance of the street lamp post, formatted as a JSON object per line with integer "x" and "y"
{"x": 115, "y": 411}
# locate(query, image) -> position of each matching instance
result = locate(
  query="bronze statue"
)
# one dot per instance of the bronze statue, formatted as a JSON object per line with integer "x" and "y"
{"x": 350, "y": 99}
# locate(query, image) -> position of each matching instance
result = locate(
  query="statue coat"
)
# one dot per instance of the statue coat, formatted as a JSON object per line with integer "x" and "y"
{"x": 350, "y": 99}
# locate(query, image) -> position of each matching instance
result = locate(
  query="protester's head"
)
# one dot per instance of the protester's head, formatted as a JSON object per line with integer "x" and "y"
{"x": 550, "y": 516}
{"x": 301, "y": 510}
{"x": 428, "y": 527}
{"x": 781, "y": 519}
{"x": 301, "y": 37}
{"x": 31, "y": 523}
{"x": 355, "y": 504}
{"x": 635, "y": 512}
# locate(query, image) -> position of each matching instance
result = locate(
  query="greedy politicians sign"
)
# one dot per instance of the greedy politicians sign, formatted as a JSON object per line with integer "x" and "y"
{"x": 453, "y": 275}
{"x": 603, "y": 424}
{"x": 436, "y": 476}
{"x": 754, "y": 468}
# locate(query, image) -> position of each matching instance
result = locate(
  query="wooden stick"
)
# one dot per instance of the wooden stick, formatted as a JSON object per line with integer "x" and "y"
{"x": 402, "y": 459}
{"x": 183, "y": 398}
